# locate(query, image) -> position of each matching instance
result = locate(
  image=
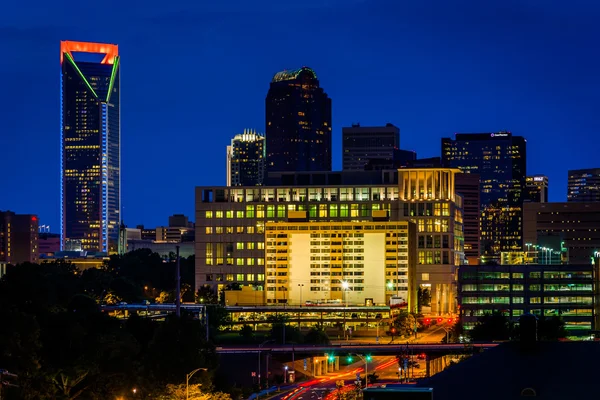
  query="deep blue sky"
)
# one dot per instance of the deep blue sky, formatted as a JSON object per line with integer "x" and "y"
{"x": 194, "y": 73}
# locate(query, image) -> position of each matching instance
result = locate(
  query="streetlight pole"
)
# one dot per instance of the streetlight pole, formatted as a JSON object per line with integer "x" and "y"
{"x": 366, "y": 361}
{"x": 260, "y": 347}
{"x": 187, "y": 381}
{"x": 301, "y": 286}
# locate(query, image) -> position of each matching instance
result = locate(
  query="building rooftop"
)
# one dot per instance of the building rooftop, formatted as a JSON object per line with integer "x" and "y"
{"x": 546, "y": 370}
{"x": 288, "y": 75}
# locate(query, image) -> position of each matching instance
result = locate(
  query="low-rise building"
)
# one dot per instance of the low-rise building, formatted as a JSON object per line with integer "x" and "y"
{"x": 566, "y": 291}
{"x": 18, "y": 238}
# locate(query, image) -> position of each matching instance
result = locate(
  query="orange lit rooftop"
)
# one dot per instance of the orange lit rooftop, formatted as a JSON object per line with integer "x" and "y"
{"x": 110, "y": 51}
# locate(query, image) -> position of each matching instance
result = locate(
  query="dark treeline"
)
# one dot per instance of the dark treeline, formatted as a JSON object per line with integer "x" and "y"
{"x": 60, "y": 345}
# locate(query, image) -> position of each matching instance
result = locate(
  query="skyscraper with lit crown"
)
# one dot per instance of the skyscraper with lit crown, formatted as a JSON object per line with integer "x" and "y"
{"x": 90, "y": 145}
{"x": 246, "y": 159}
{"x": 298, "y": 123}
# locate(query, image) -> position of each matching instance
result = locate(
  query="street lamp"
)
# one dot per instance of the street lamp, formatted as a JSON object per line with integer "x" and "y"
{"x": 260, "y": 347}
{"x": 366, "y": 361}
{"x": 285, "y": 374}
{"x": 301, "y": 285}
{"x": 345, "y": 286}
{"x": 187, "y": 381}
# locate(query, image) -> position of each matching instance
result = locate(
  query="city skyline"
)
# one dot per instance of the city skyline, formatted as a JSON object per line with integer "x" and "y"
{"x": 367, "y": 90}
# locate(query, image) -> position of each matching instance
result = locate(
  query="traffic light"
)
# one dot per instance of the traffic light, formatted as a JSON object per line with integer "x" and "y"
{"x": 349, "y": 358}
{"x": 427, "y": 321}
{"x": 450, "y": 320}
{"x": 369, "y": 358}
{"x": 331, "y": 357}
{"x": 440, "y": 320}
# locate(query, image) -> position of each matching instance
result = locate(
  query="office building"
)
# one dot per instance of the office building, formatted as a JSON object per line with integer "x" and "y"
{"x": 180, "y": 221}
{"x": 48, "y": 243}
{"x": 536, "y": 189}
{"x": 467, "y": 185}
{"x": 18, "y": 238}
{"x": 584, "y": 185}
{"x": 362, "y": 145}
{"x": 246, "y": 159}
{"x": 354, "y": 263}
{"x": 147, "y": 233}
{"x": 500, "y": 161}
{"x": 90, "y": 145}
{"x": 298, "y": 123}
{"x": 230, "y": 232}
{"x": 571, "y": 227}
{"x": 542, "y": 290}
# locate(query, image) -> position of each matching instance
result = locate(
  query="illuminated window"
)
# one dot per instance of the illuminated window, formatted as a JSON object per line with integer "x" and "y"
{"x": 239, "y": 245}
{"x": 249, "y": 211}
{"x": 209, "y": 214}
{"x": 209, "y": 230}
{"x": 249, "y": 261}
{"x": 229, "y": 214}
{"x": 229, "y": 277}
{"x": 281, "y": 211}
{"x": 261, "y": 245}
{"x": 424, "y": 276}
{"x": 240, "y": 261}
{"x": 239, "y": 277}
{"x": 333, "y": 210}
{"x": 249, "y": 229}
{"x": 270, "y": 211}
{"x": 219, "y": 214}
{"x": 239, "y": 214}
{"x": 250, "y": 277}
{"x": 250, "y": 245}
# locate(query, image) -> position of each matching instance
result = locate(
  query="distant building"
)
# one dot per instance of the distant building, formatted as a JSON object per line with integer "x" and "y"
{"x": 174, "y": 234}
{"x": 246, "y": 159}
{"x": 500, "y": 161}
{"x": 536, "y": 189}
{"x": 49, "y": 243}
{"x": 362, "y": 145}
{"x": 584, "y": 185}
{"x": 542, "y": 290}
{"x": 147, "y": 233}
{"x": 298, "y": 123}
{"x": 18, "y": 238}
{"x": 180, "y": 221}
{"x": 165, "y": 249}
{"x": 468, "y": 186}
{"x": 90, "y": 145}
{"x": 572, "y": 226}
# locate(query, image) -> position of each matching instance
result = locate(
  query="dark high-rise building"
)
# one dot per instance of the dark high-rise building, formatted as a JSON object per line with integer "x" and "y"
{"x": 500, "y": 160}
{"x": 536, "y": 189}
{"x": 584, "y": 185}
{"x": 246, "y": 159}
{"x": 467, "y": 185}
{"x": 298, "y": 123}
{"x": 18, "y": 238}
{"x": 362, "y": 145}
{"x": 90, "y": 145}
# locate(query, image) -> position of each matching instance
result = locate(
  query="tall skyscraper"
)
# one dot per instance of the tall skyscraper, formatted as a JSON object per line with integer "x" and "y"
{"x": 584, "y": 185}
{"x": 362, "y": 145}
{"x": 246, "y": 159}
{"x": 500, "y": 160}
{"x": 298, "y": 121}
{"x": 536, "y": 189}
{"x": 90, "y": 145}
{"x": 467, "y": 185}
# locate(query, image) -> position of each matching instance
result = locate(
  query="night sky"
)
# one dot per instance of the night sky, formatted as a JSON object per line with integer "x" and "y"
{"x": 194, "y": 75}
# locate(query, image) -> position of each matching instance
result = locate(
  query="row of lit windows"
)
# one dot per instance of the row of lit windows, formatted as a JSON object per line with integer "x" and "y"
{"x": 520, "y": 287}
{"x": 533, "y": 275}
{"x": 585, "y": 300}
{"x": 235, "y": 278}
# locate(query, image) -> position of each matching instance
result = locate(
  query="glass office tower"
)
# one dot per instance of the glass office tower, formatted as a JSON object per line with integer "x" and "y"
{"x": 90, "y": 145}
{"x": 298, "y": 123}
{"x": 500, "y": 160}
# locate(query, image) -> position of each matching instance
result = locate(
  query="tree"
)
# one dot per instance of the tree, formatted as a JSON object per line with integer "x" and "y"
{"x": 424, "y": 297}
{"x": 551, "y": 329}
{"x": 405, "y": 324}
{"x": 205, "y": 295}
{"x": 283, "y": 333}
{"x": 165, "y": 297}
{"x": 491, "y": 327}
{"x": 246, "y": 332}
{"x": 316, "y": 335}
{"x": 180, "y": 392}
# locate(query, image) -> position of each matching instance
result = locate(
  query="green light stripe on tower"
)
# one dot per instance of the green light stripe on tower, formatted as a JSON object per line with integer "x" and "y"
{"x": 113, "y": 74}
{"x": 68, "y": 56}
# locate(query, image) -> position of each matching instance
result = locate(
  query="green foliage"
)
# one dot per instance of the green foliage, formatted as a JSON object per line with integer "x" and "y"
{"x": 551, "y": 329}
{"x": 205, "y": 295}
{"x": 405, "y": 324}
{"x": 492, "y": 327}
{"x": 316, "y": 335}
{"x": 54, "y": 337}
{"x": 247, "y": 333}
{"x": 423, "y": 298}
{"x": 283, "y": 333}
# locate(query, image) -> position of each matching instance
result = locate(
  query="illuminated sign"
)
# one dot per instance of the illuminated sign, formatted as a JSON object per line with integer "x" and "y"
{"x": 538, "y": 178}
{"x": 499, "y": 134}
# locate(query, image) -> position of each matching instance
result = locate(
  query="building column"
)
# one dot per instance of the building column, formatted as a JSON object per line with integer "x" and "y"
{"x": 337, "y": 364}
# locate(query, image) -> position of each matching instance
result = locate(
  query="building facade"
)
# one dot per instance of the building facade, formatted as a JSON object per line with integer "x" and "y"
{"x": 246, "y": 159}
{"x": 572, "y": 228}
{"x": 542, "y": 290}
{"x": 584, "y": 185}
{"x": 18, "y": 238}
{"x": 353, "y": 263}
{"x": 298, "y": 123}
{"x": 362, "y": 145}
{"x": 467, "y": 185}
{"x": 536, "y": 189}
{"x": 90, "y": 145}
{"x": 231, "y": 222}
{"x": 500, "y": 161}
